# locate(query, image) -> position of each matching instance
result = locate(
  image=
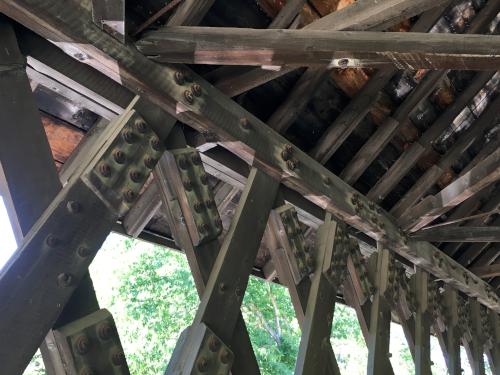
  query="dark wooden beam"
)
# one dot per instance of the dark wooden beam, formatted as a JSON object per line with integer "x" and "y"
{"x": 250, "y": 138}
{"x": 459, "y": 234}
{"x": 412, "y": 154}
{"x": 334, "y": 49}
{"x": 190, "y": 12}
{"x": 486, "y": 272}
{"x": 287, "y": 14}
{"x": 361, "y": 15}
{"x": 384, "y": 133}
{"x": 486, "y": 121}
{"x": 359, "y": 106}
{"x": 479, "y": 177}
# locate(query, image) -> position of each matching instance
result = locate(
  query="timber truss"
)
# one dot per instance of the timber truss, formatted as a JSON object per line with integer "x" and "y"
{"x": 399, "y": 221}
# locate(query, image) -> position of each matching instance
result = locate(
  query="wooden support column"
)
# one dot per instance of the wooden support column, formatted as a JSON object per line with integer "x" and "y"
{"x": 380, "y": 318}
{"x": 422, "y": 324}
{"x": 317, "y": 325}
{"x": 201, "y": 259}
{"x": 299, "y": 292}
{"x": 493, "y": 351}
{"x": 474, "y": 346}
{"x": 451, "y": 337}
{"x": 221, "y": 300}
{"x": 44, "y": 272}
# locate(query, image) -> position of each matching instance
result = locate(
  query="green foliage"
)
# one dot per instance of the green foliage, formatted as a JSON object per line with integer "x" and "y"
{"x": 151, "y": 294}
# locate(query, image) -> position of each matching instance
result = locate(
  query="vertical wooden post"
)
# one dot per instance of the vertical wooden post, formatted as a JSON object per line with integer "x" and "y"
{"x": 221, "y": 301}
{"x": 317, "y": 325}
{"x": 474, "y": 346}
{"x": 452, "y": 334}
{"x": 422, "y": 324}
{"x": 380, "y": 318}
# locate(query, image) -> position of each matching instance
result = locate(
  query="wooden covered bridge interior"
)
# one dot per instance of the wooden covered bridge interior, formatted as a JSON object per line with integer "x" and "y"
{"x": 348, "y": 150}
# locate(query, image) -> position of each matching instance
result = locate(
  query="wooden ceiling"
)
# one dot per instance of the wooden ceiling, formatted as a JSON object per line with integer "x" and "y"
{"x": 404, "y": 138}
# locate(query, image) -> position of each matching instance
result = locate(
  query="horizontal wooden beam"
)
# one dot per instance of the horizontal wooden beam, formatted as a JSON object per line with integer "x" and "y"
{"x": 333, "y": 49}
{"x": 459, "y": 234}
{"x": 361, "y": 15}
{"x": 485, "y": 272}
{"x": 239, "y": 131}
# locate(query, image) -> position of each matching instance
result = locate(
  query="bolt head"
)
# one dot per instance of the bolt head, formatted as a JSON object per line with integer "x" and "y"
{"x": 129, "y": 196}
{"x": 188, "y": 96}
{"x": 105, "y": 170}
{"x": 141, "y": 125}
{"x": 179, "y": 78}
{"x": 196, "y": 89}
{"x": 82, "y": 344}
{"x": 105, "y": 331}
{"x": 128, "y": 136}
{"x": 118, "y": 358}
{"x": 83, "y": 251}
{"x": 155, "y": 144}
{"x": 245, "y": 124}
{"x": 64, "y": 280}
{"x": 291, "y": 164}
{"x": 202, "y": 364}
{"x": 119, "y": 156}
{"x": 198, "y": 207}
{"x": 225, "y": 356}
{"x": 74, "y": 207}
{"x": 136, "y": 176}
{"x": 149, "y": 162}
{"x": 214, "y": 344}
{"x": 52, "y": 241}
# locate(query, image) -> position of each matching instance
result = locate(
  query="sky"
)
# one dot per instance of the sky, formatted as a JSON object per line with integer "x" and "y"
{"x": 7, "y": 240}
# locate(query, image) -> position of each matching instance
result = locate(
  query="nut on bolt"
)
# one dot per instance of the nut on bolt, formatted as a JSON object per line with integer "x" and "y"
{"x": 82, "y": 344}
{"x": 202, "y": 364}
{"x": 136, "y": 176}
{"x": 105, "y": 170}
{"x": 119, "y": 156}
{"x": 141, "y": 125}
{"x": 188, "y": 95}
{"x": 245, "y": 124}
{"x": 179, "y": 78}
{"x": 129, "y": 196}
{"x": 64, "y": 280}
{"x": 213, "y": 344}
{"x": 291, "y": 164}
{"x": 118, "y": 358}
{"x": 196, "y": 89}
{"x": 105, "y": 331}
{"x": 196, "y": 159}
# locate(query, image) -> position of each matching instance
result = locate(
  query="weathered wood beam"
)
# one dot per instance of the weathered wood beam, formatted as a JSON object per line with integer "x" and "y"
{"x": 252, "y": 140}
{"x": 486, "y": 121}
{"x": 483, "y": 174}
{"x": 384, "y": 133}
{"x": 221, "y": 300}
{"x": 190, "y": 12}
{"x": 422, "y": 324}
{"x": 201, "y": 258}
{"x": 359, "y": 106}
{"x": 287, "y": 14}
{"x": 486, "y": 272}
{"x": 335, "y": 49}
{"x": 380, "y": 318}
{"x": 412, "y": 154}
{"x": 474, "y": 344}
{"x": 312, "y": 357}
{"x": 361, "y": 15}
{"x": 459, "y": 234}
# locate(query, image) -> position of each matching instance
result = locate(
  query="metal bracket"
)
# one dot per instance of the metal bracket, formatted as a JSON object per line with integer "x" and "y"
{"x": 109, "y": 15}
{"x": 91, "y": 345}
{"x": 289, "y": 231}
{"x": 195, "y": 197}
